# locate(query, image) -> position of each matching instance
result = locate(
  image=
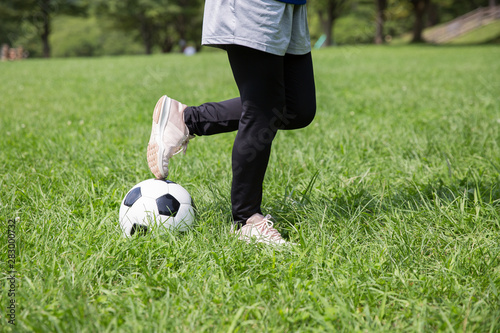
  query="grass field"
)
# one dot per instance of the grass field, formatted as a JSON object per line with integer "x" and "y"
{"x": 486, "y": 34}
{"x": 393, "y": 193}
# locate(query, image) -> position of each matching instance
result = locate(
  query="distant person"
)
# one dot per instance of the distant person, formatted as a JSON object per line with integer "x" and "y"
{"x": 12, "y": 54}
{"x": 20, "y": 53}
{"x": 189, "y": 50}
{"x": 5, "y": 52}
{"x": 269, "y": 50}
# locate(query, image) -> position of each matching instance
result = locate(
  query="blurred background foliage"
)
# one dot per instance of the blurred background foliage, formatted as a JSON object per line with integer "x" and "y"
{"x": 67, "y": 28}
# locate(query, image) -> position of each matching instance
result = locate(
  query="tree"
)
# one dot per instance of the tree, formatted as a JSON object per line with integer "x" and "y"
{"x": 381, "y": 6}
{"x": 8, "y": 23}
{"x": 159, "y": 22}
{"x": 38, "y": 14}
{"x": 179, "y": 22}
{"x": 41, "y": 16}
{"x": 328, "y": 11}
{"x": 420, "y": 8}
{"x": 437, "y": 8}
{"x": 128, "y": 16}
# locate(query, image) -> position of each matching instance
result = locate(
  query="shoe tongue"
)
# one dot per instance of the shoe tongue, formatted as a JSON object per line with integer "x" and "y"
{"x": 255, "y": 218}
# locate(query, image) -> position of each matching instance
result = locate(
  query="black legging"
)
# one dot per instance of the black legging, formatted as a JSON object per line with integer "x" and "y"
{"x": 276, "y": 92}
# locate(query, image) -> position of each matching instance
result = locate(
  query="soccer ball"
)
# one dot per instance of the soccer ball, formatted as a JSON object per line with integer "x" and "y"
{"x": 154, "y": 206}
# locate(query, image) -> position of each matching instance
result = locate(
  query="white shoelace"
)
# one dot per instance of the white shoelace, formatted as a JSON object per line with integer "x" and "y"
{"x": 265, "y": 228}
{"x": 183, "y": 147}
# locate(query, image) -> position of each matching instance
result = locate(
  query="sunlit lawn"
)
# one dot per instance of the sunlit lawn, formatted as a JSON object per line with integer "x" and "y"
{"x": 393, "y": 194}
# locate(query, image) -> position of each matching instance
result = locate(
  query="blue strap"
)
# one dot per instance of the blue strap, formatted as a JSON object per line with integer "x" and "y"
{"x": 294, "y": 2}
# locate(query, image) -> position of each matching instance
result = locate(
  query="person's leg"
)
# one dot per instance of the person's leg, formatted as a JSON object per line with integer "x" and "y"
{"x": 300, "y": 91}
{"x": 220, "y": 117}
{"x": 260, "y": 80}
{"x": 276, "y": 93}
{"x": 213, "y": 118}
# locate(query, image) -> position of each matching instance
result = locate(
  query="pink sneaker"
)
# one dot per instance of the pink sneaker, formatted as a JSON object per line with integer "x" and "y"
{"x": 260, "y": 229}
{"x": 169, "y": 135}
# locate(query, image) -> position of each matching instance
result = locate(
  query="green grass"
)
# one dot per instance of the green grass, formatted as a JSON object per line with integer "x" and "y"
{"x": 393, "y": 194}
{"x": 489, "y": 33}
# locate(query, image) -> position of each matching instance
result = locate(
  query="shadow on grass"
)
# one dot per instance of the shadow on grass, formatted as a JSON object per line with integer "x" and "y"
{"x": 369, "y": 202}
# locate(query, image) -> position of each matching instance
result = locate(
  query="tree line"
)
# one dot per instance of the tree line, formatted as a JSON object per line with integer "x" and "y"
{"x": 162, "y": 24}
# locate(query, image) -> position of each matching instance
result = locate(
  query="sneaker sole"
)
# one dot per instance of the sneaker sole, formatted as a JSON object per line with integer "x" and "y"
{"x": 262, "y": 240}
{"x": 155, "y": 145}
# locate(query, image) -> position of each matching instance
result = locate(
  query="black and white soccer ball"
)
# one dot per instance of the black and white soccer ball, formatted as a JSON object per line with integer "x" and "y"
{"x": 156, "y": 205}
